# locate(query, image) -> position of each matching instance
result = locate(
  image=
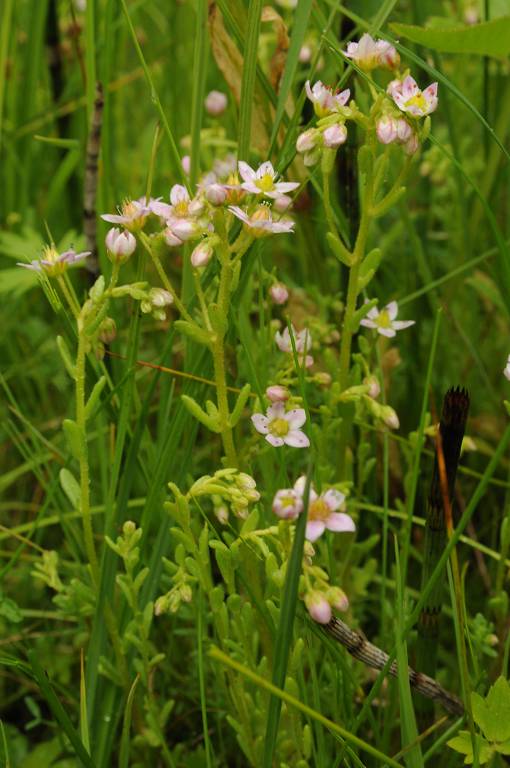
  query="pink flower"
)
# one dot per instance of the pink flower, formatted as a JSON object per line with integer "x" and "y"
{"x": 120, "y": 244}
{"x": 324, "y": 100}
{"x": 262, "y": 181}
{"x": 287, "y": 504}
{"x": 409, "y": 98}
{"x": 506, "y": 371}
{"x": 322, "y": 512}
{"x": 335, "y": 135}
{"x": 384, "y": 321}
{"x": 302, "y": 341}
{"x": 216, "y": 103}
{"x": 132, "y": 216}
{"x": 261, "y": 222}
{"x": 282, "y": 427}
{"x": 369, "y": 53}
{"x": 277, "y": 394}
{"x": 318, "y": 607}
{"x": 279, "y": 293}
{"x": 54, "y": 263}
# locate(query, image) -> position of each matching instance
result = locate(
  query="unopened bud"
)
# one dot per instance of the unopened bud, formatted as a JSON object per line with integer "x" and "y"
{"x": 120, "y": 244}
{"x": 335, "y": 136}
{"x": 318, "y": 607}
{"x": 216, "y": 194}
{"x": 201, "y": 255}
{"x": 307, "y": 140}
{"x": 216, "y": 103}
{"x": 279, "y": 293}
{"x": 386, "y": 130}
{"x": 277, "y": 394}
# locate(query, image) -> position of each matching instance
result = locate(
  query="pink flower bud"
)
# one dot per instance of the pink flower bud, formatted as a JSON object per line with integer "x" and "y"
{"x": 307, "y": 141}
{"x": 389, "y": 417}
{"x": 404, "y": 130}
{"x": 185, "y": 229}
{"x": 386, "y": 130}
{"x": 282, "y": 203}
{"x": 312, "y": 158}
{"x": 221, "y": 514}
{"x": 201, "y": 255}
{"x": 186, "y": 164}
{"x": 277, "y": 394}
{"x": 216, "y": 103}
{"x": 305, "y": 54}
{"x": 279, "y": 293}
{"x": 411, "y": 145}
{"x": 120, "y": 244}
{"x": 335, "y": 136}
{"x": 216, "y": 194}
{"x": 171, "y": 239}
{"x": 318, "y": 607}
{"x": 338, "y": 599}
{"x": 374, "y": 388}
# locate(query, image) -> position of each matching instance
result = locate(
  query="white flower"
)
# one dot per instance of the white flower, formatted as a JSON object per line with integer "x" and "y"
{"x": 506, "y": 372}
{"x": 132, "y": 216}
{"x": 322, "y": 511}
{"x": 384, "y": 321}
{"x": 216, "y": 103}
{"x": 302, "y": 340}
{"x": 369, "y": 53}
{"x": 261, "y": 222}
{"x": 282, "y": 427}
{"x": 262, "y": 181}
{"x": 287, "y": 504}
{"x": 120, "y": 244}
{"x": 335, "y": 135}
{"x": 54, "y": 263}
{"x": 324, "y": 100}
{"x": 409, "y": 98}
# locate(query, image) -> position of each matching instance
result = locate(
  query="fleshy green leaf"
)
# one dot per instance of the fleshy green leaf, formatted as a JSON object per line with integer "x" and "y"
{"x": 492, "y": 714}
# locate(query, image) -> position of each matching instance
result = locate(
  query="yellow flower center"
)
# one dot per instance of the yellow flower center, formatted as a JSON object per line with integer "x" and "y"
{"x": 265, "y": 184}
{"x": 383, "y": 321}
{"x": 279, "y": 427}
{"x": 181, "y": 208}
{"x": 318, "y": 510}
{"x": 418, "y": 100}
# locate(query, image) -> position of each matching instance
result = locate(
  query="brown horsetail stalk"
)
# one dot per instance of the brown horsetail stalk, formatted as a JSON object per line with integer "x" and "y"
{"x": 91, "y": 177}
{"x": 438, "y": 521}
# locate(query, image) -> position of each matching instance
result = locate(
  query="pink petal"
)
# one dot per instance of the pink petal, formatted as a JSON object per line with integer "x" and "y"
{"x": 261, "y": 423}
{"x": 113, "y": 218}
{"x": 296, "y": 418}
{"x": 297, "y": 439}
{"x": 247, "y": 173}
{"x": 340, "y": 523}
{"x": 314, "y": 529}
{"x": 276, "y": 411}
{"x": 266, "y": 169}
{"x": 392, "y": 309}
{"x": 366, "y": 323}
{"x": 286, "y": 186}
{"x": 276, "y": 441}
{"x": 333, "y": 498}
{"x": 399, "y": 325}
{"x": 388, "y": 332}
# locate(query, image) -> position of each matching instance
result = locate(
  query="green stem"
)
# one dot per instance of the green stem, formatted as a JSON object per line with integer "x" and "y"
{"x": 218, "y": 352}
{"x": 165, "y": 280}
{"x": 73, "y": 305}
{"x": 328, "y": 208}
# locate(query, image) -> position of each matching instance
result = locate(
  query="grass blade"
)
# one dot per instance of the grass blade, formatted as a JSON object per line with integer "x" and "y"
{"x": 248, "y": 80}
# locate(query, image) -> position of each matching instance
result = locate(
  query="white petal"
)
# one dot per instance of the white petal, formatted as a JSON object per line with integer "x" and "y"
{"x": 388, "y": 332}
{"x": 314, "y": 529}
{"x": 276, "y": 441}
{"x": 340, "y": 523}
{"x": 334, "y": 499}
{"x": 392, "y": 309}
{"x": 247, "y": 173}
{"x": 296, "y": 417}
{"x": 276, "y": 411}
{"x": 399, "y": 325}
{"x": 266, "y": 169}
{"x": 297, "y": 439}
{"x": 261, "y": 423}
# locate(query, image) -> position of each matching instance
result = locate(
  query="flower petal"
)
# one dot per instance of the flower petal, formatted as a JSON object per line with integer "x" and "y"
{"x": 261, "y": 423}
{"x": 339, "y": 522}
{"x": 276, "y": 441}
{"x": 246, "y": 171}
{"x": 399, "y": 325}
{"x": 314, "y": 529}
{"x": 297, "y": 439}
{"x": 296, "y": 418}
{"x": 392, "y": 309}
{"x": 388, "y": 332}
{"x": 333, "y": 498}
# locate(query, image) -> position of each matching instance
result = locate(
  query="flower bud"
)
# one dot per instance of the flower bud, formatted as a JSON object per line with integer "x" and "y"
{"x": 216, "y": 194}
{"x": 337, "y": 598}
{"x": 186, "y": 164}
{"x": 404, "y": 130}
{"x": 160, "y": 298}
{"x": 201, "y": 255}
{"x": 107, "y": 330}
{"x": 335, "y": 136}
{"x": 171, "y": 239}
{"x": 221, "y": 514}
{"x": 323, "y": 378}
{"x": 216, "y": 103}
{"x": 279, "y": 293}
{"x": 374, "y": 388}
{"x": 312, "y": 158}
{"x": 308, "y": 140}
{"x": 390, "y": 417}
{"x": 411, "y": 145}
{"x": 120, "y": 244}
{"x": 386, "y": 129}
{"x": 282, "y": 203}
{"x": 318, "y": 607}
{"x": 277, "y": 394}
{"x": 186, "y": 229}
{"x": 305, "y": 54}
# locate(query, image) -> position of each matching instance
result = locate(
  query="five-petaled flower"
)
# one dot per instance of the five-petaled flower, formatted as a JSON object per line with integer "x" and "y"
{"x": 324, "y": 100}
{"x": 262, "y": 181}
{"x": 409, "y": 98}
{"x": 369, "y": 53}
{"x": 322, "y": 511}
{"x": 384, "y": 321}
{"x": 282, "y": 427}
{"x": 302, "y": 341}
{"x": 261, "y": 222}
{"x": 133, "y": 214}
{"x": 54, "y": 263}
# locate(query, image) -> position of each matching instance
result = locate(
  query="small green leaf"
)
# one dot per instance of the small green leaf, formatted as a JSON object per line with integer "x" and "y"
{"x": 10, "y": 610}
{"x": 74, "y": 437}
{"x": 71, "y": 487}
{"x": 341, "y": 252}
{"x": 462, "y": 743}
{"x": 94, "y": 396}
{"x": 239, "y": 406}
{"x": 360, "y": 314}
{"x": 97, "y": 289}
{"x": 193, "y": 331}
{"x": 193, "y": 407}
{"x": 218, "y": 319}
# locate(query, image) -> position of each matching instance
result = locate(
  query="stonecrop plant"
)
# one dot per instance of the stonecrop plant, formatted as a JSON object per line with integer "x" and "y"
{"x": 237, "y": 506}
